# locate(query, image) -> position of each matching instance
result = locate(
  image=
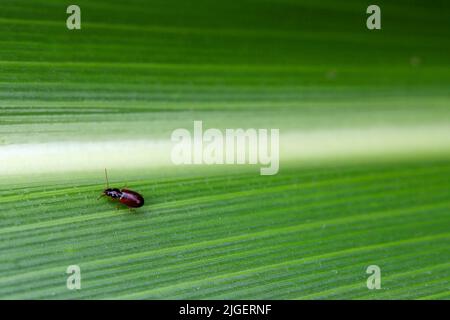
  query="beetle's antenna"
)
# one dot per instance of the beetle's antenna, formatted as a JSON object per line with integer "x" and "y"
{"x": 106, "y": 176}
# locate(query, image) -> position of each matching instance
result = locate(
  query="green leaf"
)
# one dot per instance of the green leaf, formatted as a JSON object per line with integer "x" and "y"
{"x": 364, "y": 150}
{"x": 300, "y": 234}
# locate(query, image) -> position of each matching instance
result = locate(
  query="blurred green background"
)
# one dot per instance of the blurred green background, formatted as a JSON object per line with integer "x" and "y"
{"x": 139, "y": 69}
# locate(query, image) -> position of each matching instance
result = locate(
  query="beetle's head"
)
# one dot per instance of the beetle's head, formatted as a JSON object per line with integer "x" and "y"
{"x": 112, "y": 192}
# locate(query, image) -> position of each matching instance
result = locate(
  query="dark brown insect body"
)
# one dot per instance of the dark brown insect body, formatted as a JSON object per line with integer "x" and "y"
{"x": 130, "y": 198}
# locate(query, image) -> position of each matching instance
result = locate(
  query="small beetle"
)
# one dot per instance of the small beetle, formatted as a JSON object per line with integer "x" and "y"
{"x": 130, "y": 198}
